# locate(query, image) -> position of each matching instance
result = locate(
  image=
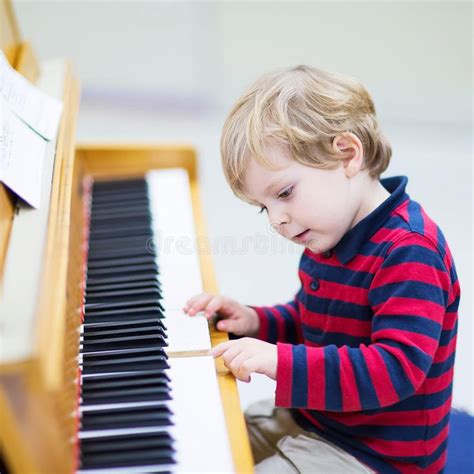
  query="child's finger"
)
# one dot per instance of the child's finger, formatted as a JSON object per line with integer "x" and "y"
{"x": 230, "y": 325}
{"x": 235, "y": 366}
{"x": 247, "y": 367}
{"x": 214, "y": 305}
{"x": 190, "y": 302}
{"x": 230, "y": 354}
{"x": 218, "y": 350}
{"x": 200, "y": 303}
{"x": 193, "y": 298}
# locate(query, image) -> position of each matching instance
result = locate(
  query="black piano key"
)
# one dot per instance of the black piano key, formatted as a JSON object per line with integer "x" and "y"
{"x": 118, "y": 192}
{"x": 123, "y": 302}
{"x": 125, "y": 458}
{"x": 125, "y": 325}
{"x": 126, "y": 227}
{"x": 119, "y": 183}
{"x": 153, "y": 310}
{"x": 131, "y": 417}
{"x": 116, "y": 213}
{"x": 130, "y": 250}
{"x": 132, "y": 221}
{"x": 103, "y": 245}
{"x": 119, "y": 242}
{"x": 112, "y": 223}
{"x": 125, "y": 208}
{"x": 94, "y": 296}
{"x": 152, "y": 393}
{"x": 140, "y": 305}
{"x": 152, "y": 289}
{"x": 118, "y": 354}
{"x": 103, "y": 207}
{"x": 140, "y": 377}
{"x": 114, "y": 343}
{"x": 96, "y": 385}
{"x": 121, "y": 365}
{"x": 99, "y": 234}
{"x": 126, "y": 278}
{"x": 126, "y": 442}
{"x": 120, "y": 261}
{"x": 124, "y": 287}
{"x": 128, "y": 340}
{"x": 128, "y": 332}
{"x": 134, "y": 331}
{"x": 124, "y": 360}
{"x": 132, "y": 201}
{"x": 120, "y": 214}
{"x": 132, "y": 315}
{"x": 123, "y": 270}
{"x": 117, "y": 196}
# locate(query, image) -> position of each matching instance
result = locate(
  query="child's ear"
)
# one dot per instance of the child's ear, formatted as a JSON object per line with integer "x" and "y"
{"x": 351, "y": 147}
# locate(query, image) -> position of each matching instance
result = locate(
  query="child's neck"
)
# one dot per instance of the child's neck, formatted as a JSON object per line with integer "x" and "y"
{"x": 374, "y": 194}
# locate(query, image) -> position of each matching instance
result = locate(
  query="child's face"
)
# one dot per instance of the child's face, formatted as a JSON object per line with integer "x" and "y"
{"x": 310, "y": 206}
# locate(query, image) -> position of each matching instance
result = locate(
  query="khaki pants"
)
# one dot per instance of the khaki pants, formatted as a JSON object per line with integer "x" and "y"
{"x": 279, "y": 445}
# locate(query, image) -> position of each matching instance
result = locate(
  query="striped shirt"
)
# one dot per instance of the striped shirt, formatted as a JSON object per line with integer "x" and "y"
{"x": 366, "y": 348}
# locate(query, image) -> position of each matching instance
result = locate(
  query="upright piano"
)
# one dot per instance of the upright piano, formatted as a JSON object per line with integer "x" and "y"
{"x": 100, "y": 371}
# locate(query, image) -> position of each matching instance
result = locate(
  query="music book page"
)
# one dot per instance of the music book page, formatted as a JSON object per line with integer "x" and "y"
{"x": 21, "y": 156}
{"x": 37, "y": 109}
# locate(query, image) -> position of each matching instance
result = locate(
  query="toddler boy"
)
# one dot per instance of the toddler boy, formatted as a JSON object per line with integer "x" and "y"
{"x": 363, "y": 355}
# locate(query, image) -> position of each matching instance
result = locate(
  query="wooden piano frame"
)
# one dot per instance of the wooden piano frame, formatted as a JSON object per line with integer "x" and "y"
{"x": 38, "y": 393}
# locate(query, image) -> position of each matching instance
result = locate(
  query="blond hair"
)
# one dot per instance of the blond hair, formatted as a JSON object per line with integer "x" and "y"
{"x": 304, "y": 109}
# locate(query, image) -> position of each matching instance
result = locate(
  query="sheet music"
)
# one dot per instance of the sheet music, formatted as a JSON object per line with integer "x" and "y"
{"x": 22, "y": 154}
{"x": 39, "y": 110}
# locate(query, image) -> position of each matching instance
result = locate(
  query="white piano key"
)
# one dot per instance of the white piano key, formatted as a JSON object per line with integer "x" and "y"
{"x": 106, "y": 406}
{"x": 134, "y": 469}
{"x": 177, "y": 257}
{"x": 124, "y": 431}
{"x": 195, "y": 396}
{"x": 186, "y": 333}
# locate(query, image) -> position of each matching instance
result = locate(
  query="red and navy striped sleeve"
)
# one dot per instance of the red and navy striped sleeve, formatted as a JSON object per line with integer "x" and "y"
{"x": 280, "y": 323}
{"x": 408, "y": 296}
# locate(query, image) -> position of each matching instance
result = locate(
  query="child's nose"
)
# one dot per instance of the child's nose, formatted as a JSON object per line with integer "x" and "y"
{"x": 278, "y": 222}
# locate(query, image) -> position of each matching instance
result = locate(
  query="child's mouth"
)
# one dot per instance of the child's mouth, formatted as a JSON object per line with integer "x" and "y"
{"x": 303, "y": 236}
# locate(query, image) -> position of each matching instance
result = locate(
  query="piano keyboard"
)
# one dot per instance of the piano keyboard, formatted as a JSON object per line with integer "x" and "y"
{"x": 141, "y": 410}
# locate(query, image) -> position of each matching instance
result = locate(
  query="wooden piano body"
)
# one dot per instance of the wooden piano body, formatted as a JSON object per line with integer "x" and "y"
{"x": 41, "y": 254}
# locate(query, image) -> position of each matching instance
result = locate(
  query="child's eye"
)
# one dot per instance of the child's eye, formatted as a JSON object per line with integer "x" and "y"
{"x": 286, "y": 192}
{"x": 263, "y": 208}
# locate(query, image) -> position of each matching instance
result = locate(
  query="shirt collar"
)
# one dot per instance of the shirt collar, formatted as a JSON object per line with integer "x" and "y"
{"x": 349, "y": 245}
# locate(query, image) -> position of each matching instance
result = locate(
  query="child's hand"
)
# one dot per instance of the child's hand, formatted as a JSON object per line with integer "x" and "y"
{"x": 239, "y": 319}
{"x": 247, "y": 355}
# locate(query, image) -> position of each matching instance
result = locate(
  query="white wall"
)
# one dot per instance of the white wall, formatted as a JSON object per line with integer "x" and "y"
{"x": 170, "y": 70}
{"x": 413, "y": 56}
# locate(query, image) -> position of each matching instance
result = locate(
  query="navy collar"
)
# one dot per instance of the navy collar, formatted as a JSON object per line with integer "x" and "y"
{"x": 348, "y": 247}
